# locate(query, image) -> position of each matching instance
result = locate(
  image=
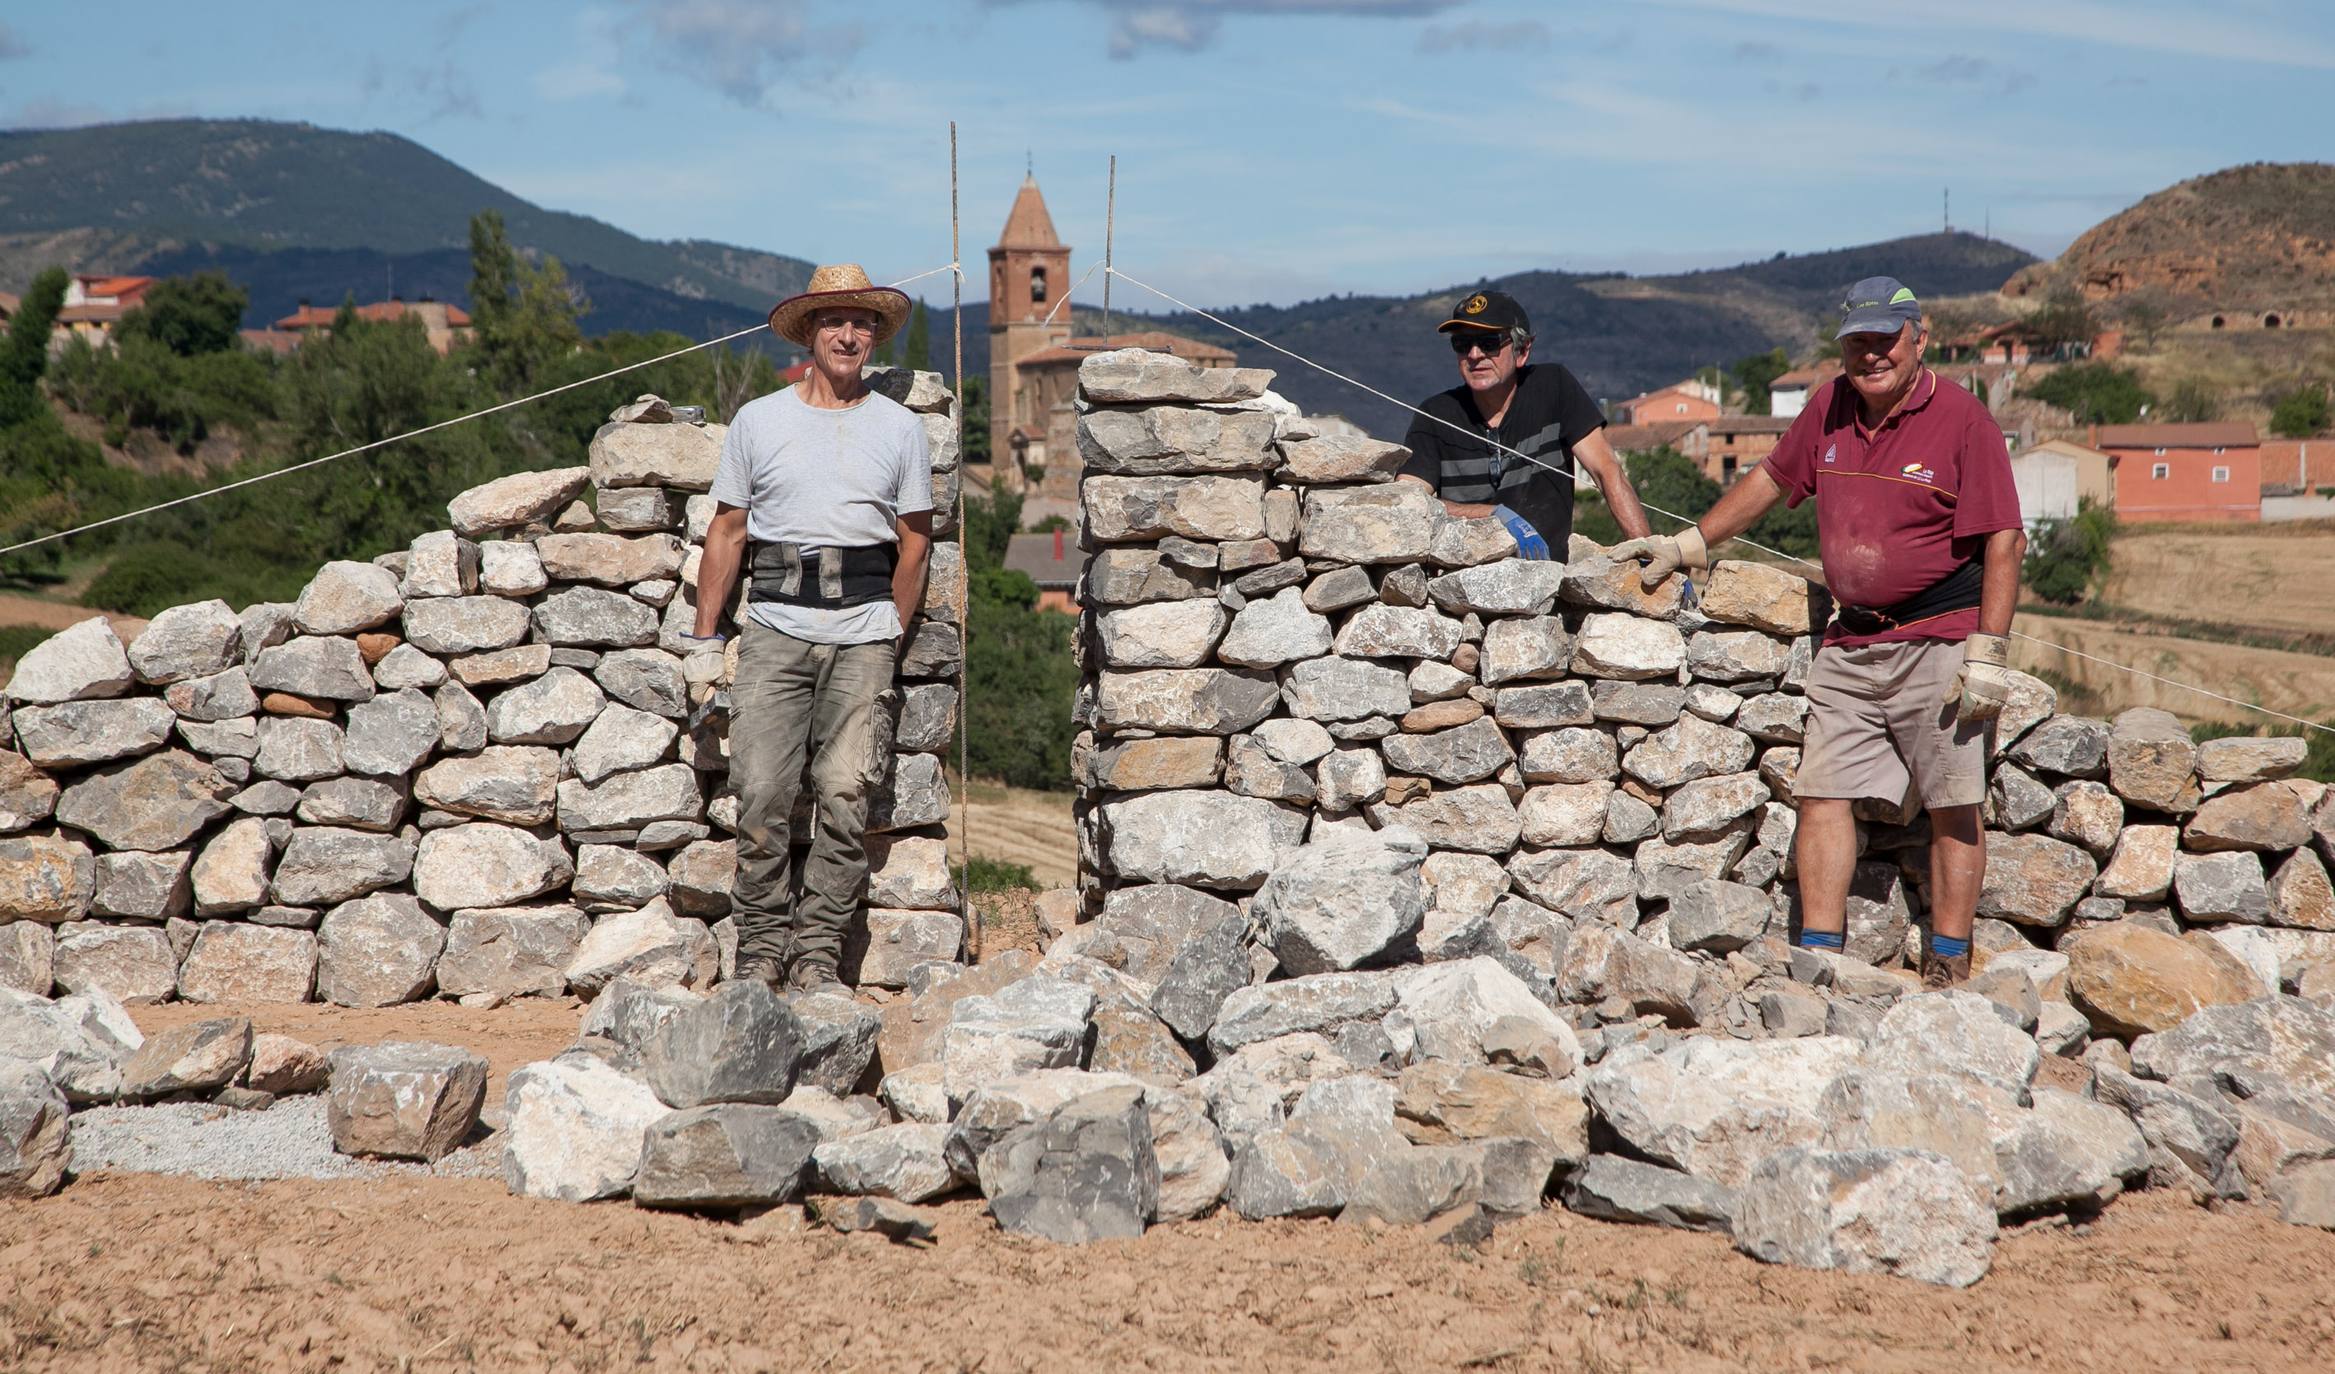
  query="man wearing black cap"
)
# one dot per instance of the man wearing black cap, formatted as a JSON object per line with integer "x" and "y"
{"x": 1506, "y": 405}
{"x": 1919, "y": 529}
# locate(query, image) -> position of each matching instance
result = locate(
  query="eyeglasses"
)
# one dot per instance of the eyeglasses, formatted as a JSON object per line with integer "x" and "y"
{"x": 1463, "y": 344}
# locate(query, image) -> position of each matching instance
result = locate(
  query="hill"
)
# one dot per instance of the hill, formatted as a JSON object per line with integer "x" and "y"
{"x": 292, "y": 211}
{"x": 2261, "y": 235}
{"x": 1620, "y": 334}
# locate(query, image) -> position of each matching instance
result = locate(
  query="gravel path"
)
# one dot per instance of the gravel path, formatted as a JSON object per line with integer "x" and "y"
{"x": 289, "y": 1140}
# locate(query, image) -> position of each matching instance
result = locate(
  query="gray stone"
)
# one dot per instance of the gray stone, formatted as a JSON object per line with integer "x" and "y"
{"x": 2070, "y": 746}
{"x": 2259, "y": 1048}
{"x": 404, "y": 1099}
{"x": 1542, "y": 706}
{"x": 1707, "y": 806}
{"x": 901, "y": 941}
{"x": 1272, "y": 631}
{"x": 1464, "y": 754}
{"x": 1584, "y": 883}
{"x": 77, "y": 733}
{"x": 1394, "y": 523}
{"x": 28, "y": 958}
{"x": 1318, "y": 1002}
{"x": 191, "y": 641}
{"x": 679, "y": 456}
{"x": 157, "y": 802}
{"x": 651, "y": 946}
{"x": 1565, "y": 814}
{"x": 377, "y": 951}
{"x": 553, "y": 709}
{"x": 2152, "y": 761}
{"x": 345, "y": 597}
{"x": 233, "y": 961}
{"x": 2242, "y": 759}
{"x": 1341, "y": 458}
{"x": 461, "y": 720}
{"x": 1635, "y": 703}
{"x": 75, "y": 664}
{"x": 359, "y": 803}
{"x": 624, "y": 801}
{"x": 147, "y": 887}
{"x": 2066, "y": 1151}
{"x": 132, "y": 964}
{"x": 594, "y": 617}
{"x": 724, "y": 1156}
{"x": 741, "y": 1044}
{"x": 1384, "y": 631}
{"x": 1343, "y": 901}
{"x": 1716, "y": 1107}
{"x": 1207, "y": 838}
{"x": 1718, "y": 917}
{"x": 514, "y": 784}
{"x": 292, "y": 749}
{"x": 321, "y": 865}
{"x": 574, "y": 1129}
{"x": 1575, "y": 755}
{"x": 2221, "y": 887}
{"x": 646, "y": 680}
{"x": 197, "y": 1058}
{"x": 609, "y": 560}
{"x": 1525, "y": 648}
{"x": 1035, "y": 1023}
{"x": 1148, "y": 508}
{"x": 1690, "y": 749}
{"x": 1953, "y": 1031}
{"x": 1211, "y": 701}
{"x": 1340, "y": 1129}
{"x": 1174, "y": 439}
{"x": 1165, "y": 634}
{"x": 1476, "y": 819}
{"x": 27, "y": 795}
{"x": 2260, "y": 816}
{"x": 2033, "y": 880}
{"x": 523, "y": 498}
{"x": 321, "y": 669}
{"x": 1335, "y": 689}
{"x": 1906, "y": 1213}
{"x": 1087, "y": 1171}
{"x": 510, "y": 951}
{"x": 389, "y": 735}
{"x": 34, "y": 1148}
{"x": 903, "y": 1161}
{"x": 1617, "y": 1188}
{"x": 221, "y": 696}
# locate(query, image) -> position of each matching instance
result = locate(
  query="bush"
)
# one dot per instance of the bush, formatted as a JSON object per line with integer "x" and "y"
{"x": 984, "y": 874}
{"x": 2300, "y": 413}
{"x": 2068, "y": 558}
{"x": 2094, "y": 393}
{"x": 140, "y": 580}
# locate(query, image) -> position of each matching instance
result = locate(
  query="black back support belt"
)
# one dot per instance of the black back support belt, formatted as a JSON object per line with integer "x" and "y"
{"x": 827, "y": 578}
{"x": 1956, "y": 591}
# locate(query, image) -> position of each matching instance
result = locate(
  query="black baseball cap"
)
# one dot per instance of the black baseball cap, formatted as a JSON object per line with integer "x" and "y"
{"x": 1878, "y": 305}
{"x": 1486, "y": 310}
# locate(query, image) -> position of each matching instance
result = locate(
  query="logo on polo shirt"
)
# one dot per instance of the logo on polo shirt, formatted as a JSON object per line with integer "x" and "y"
{"x": 1831, "y": 451}
{"x": 1918, "y": 472}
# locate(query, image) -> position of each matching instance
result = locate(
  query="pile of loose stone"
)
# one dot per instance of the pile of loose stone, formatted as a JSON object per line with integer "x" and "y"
{"x": 476, "y": 768}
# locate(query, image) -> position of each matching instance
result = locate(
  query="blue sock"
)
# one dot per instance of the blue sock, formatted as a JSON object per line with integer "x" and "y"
{"x": 1947, "y": 947}
{"x": 1822, "y": 939}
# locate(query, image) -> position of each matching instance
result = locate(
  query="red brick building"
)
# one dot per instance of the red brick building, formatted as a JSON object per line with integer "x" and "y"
{"x": 2209, "y": 472}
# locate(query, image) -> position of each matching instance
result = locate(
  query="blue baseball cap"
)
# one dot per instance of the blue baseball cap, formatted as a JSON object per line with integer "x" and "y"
{"x": 1878, "y": 305}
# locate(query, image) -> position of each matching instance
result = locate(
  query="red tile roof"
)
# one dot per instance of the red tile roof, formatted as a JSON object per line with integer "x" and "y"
{"x": 1080, "y": 349}
{"x": 1028, "y": 225}
{"x": 1639, "y": 438}
{"x": 317, "y": 316}
{"x": 2202, "y": 434}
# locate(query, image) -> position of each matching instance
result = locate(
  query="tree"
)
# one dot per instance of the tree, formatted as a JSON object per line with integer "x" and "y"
{"x": 976, "y": 402}
{"x": 26, "y": 355}
{"x": 2095, "y": 393}
{"x": 2300, "y": 413}
{"x": 490, "y": 273}
{"x": 1755, "y": 374}
{"x": 2064, "y": 320}
{"x": 523, "y": 314}
{"x": 2146, "y": 314}
{"x": 189, "y": 315}
{"x": 919, "y": 351}
{"x": 2069, "y": 557}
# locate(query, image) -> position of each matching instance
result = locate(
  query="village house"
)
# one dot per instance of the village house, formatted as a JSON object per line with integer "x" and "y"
{"x": 2055, "y": 479}
{"x": 1053, "y": 562}
{"x": 2298, "y": 466}
{"x": 2207, "y": 472}
{"x": 1688, "y": 400}
{"x": 94, "y": 303}
{"x": 1740, "y": 443}
{"x": 444, "y": 325}
{"x": 1788, "y": 395}
{"x": 1690, "y": 437}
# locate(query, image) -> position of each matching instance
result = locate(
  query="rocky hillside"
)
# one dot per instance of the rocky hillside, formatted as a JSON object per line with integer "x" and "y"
{"x": 2258, "y": 235}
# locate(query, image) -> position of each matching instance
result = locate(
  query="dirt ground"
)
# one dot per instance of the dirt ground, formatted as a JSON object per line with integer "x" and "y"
{"x": 1018, "y": 825}
{"x": 2268, "y": 577}
{"x": 144, "y": 1272}
{"x": 2296, "y": 683}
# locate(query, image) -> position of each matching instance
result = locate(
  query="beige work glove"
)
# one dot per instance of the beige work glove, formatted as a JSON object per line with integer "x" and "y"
{"x": 1983, "y": 683}
{"x": 1665, "y": 554}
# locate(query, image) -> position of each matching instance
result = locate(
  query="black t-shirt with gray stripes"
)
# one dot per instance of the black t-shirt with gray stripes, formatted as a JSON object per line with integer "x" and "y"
{"x": 1549, "y": 414}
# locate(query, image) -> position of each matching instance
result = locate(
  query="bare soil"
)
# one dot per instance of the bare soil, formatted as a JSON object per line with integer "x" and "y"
{"x": 1018, "y": 825}
{"x": 138, "y": 1272}
{"x": 2258, "y": 577}
{"x": 2295, "y": 683}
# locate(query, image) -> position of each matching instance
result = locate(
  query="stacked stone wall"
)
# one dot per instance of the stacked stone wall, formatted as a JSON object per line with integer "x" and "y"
{"x": 477, "y": 767}
{"x": 1282, "y": 642}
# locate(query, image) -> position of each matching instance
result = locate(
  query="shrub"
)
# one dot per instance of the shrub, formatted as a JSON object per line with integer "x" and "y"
{"x": 2069, "y": 557}
{"x": 2094, "y": 393}
{"x": 984, "y": 874}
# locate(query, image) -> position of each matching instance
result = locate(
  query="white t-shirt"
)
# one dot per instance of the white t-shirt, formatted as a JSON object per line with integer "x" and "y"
{"x": 829, "y": 478}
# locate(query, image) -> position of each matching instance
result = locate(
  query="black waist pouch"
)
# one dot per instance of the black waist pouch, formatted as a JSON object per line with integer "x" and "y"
{"x": 828, "y": 578}
{"x": 1956, "y": 591}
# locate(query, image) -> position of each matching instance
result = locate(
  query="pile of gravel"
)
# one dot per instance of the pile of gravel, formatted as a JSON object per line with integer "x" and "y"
{"x": 288, "y": 1140}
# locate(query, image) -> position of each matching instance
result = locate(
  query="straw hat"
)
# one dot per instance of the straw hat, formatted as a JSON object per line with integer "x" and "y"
{"x": 846, "y": 285}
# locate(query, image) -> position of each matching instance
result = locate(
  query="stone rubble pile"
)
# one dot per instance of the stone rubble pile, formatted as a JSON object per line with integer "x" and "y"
{"x": 474, "y": 769}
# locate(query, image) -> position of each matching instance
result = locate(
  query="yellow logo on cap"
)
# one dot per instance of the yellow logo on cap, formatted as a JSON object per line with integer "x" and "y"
{"x": 1475, "y": 305}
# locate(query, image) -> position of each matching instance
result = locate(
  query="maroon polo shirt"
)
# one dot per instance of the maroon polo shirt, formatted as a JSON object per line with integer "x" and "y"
{"x": 1902, "y": 505}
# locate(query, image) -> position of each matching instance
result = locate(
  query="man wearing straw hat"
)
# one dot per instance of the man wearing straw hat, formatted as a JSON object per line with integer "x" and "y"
{"x": 1920, "y": 532}
{"x": 824, "y": 505}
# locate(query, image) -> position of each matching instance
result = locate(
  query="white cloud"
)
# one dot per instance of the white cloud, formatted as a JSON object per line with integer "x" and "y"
{"x": 744, "y": 47}
{"x": 1478, "y": 35}
{"x": 1191, "y": 25}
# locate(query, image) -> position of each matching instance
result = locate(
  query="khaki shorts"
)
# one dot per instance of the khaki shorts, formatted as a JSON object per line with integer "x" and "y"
{"x": 1880, "y": 725}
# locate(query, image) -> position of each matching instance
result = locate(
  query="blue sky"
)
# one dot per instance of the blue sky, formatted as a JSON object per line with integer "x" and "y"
{"x": 1269, "y": 150}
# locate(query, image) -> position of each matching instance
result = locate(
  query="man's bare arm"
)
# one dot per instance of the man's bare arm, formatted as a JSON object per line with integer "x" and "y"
{"x": 908, "y": 575}
{"x": 1998, "y": 589}
{"x": 1620, "y": 497}
{"x": 717, "y": 568}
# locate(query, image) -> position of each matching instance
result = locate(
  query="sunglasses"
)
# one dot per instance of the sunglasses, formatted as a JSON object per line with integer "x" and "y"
{"x": 1464, "y": 344}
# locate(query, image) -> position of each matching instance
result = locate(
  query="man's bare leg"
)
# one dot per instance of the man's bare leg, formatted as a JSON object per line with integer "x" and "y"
{"x": 1825, "y": 852}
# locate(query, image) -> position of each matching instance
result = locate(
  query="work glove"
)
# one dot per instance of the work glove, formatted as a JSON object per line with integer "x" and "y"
{"x": 1983, "y": 683}
{"x": 1529, "y": 544}
{"x": 1665, "y": 554}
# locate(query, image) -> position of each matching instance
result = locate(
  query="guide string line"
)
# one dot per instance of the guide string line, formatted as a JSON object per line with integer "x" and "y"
{"x": 1576, "y": 479}
{"x": 286, "y": 471}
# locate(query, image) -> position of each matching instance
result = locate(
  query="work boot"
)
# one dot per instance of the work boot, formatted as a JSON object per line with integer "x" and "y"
{"x": 761, "y": 968}
{"x": 811, "y": 977}
{"x": 1942, "y": 971}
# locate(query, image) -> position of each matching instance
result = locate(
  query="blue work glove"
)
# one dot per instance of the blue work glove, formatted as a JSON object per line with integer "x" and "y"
{"x": 1529, "y": 544}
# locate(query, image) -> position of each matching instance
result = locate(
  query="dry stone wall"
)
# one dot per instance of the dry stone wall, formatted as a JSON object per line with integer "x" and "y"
{"x": 475, "y": 768}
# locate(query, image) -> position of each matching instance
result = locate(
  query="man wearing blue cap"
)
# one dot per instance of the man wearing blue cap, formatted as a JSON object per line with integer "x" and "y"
{"x": 1464, "y": 448}
{"x": 1920, "y": 533}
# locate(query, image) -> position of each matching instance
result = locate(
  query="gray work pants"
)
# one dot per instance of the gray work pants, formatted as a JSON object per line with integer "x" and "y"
{"x": 791, "y": 699}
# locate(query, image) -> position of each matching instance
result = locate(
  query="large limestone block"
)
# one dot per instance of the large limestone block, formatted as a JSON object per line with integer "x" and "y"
{"x": 904, "y": 1161}
{"x": 1690, "y": 749}
{"x": 1716, "y": 1108}
{"x": 594, "y": 617}
{"x": 1142, "y": 765}
{"x": 199, "y": 1058}
{"x": 158, "y": 802}
{"x": 2264, "y": 1048}
{"x": 725, "y": 1156}
{"x": 651, "y": 946}
{"x": 377, "y": 951}
{"x": 575, "y": 1129}
{"x": 1343, "y": 900}
{"x": 322, "y": 668}
{"x": 1616, "y": 645}
{"x": 131, "y": 964}
{"x": 1589, "y": 884}
{"x": 2241, "y": 759}
{"x": 34, "y": 1148}
{"x": 74, "y": 734}
{"x": 1952, "y": 1031}
{"x": 345, "y": 597}
{"x": 321, "y": 865}
{"x": 51, "y": 878}
{"x": 295, "y": 749}
{"x": 1521, "y": 649}
{"x": 148, "y": 887}
{"x": 2268, "y": 816}
{"x": 553, "y": 709}
{"x": 2221, "y": 887}
{"x": 1463, "y": 754}
{"x": 1167, "y": 634}
{"x": 1512, "y": 586}
{"x": 1759, "y": 595}
{"x": 405, "y": 1099}
{"x": 390, "y": 735}
{"x": 683, "y": 457}
{"x": 1274, "y": 630}
{"x": 2152, "y": 761}
{"x": 28, "y": 957}
{"x": 623, "y": 801}
{"x": 1393, "y": 523}
{"x": 190, "y": 641}
{"x": 900, "y": 940}
{"x": 440, "y": 563}
{"x": 1596, "y": 581}
{"x": 1474, "y": 1012}
{"x": 76, "y": 664}
{"x": 1339, "y": 689}
{"x": 2140, "y": 869}
{"x": 1906, "y": 1213}
{"x": 1131, "y": 576}
{"x": 1476, "y": 819}
{"x": 1341, "y": 458}
{"x": 1384, "y": 631}
{"x": 515, "y": 784}
{"x": 2130, "y": 979}
{"x": 609, "y": 560}
{"x": 483, "y": 864}
{"x": 28, "y": 796}
{"x": 79, "y": 1041}
{"x": 1207, "y": 701}
{"x": 1162, "y": 440}
{"x": 232, "y": 961}
{"x": 2033, "y": 879}
{"x": 742, "y": 1044}
{"x": 447, "y": 625}
{"x": 1210, "y": 839}
{"x": 1319, "y": 1002}
{"x": 517, "y": 951}
{"x": 1138, "y": 376}
{"x": 1147, "y": 508}
{"x": 523, "y": 498}
{"x": 1087, "y": 1172}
